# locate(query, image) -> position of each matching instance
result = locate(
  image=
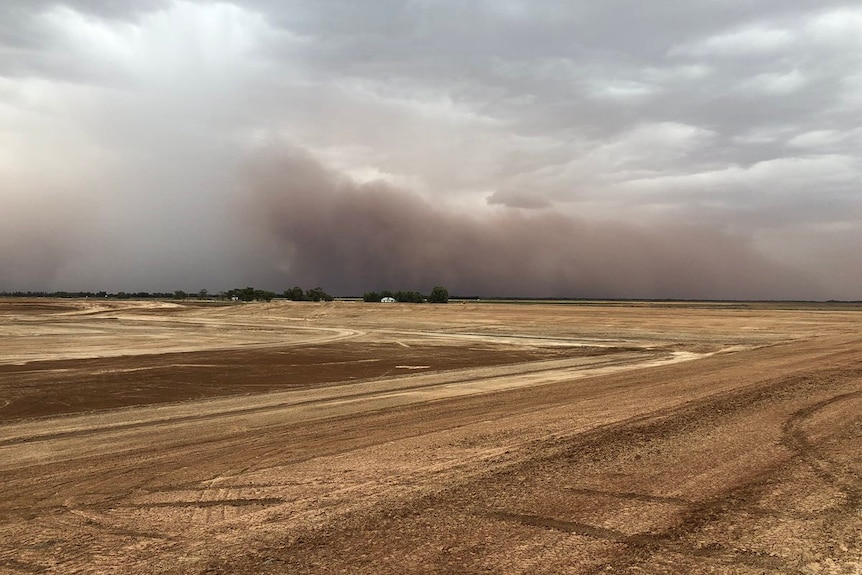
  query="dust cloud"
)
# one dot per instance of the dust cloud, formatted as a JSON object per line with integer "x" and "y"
{"x": 328, "y": 230}
{"x": 39, "y": 237}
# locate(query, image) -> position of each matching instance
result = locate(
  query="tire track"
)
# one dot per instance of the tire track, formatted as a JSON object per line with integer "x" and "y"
{"x": 602, "y": 446}
{"x": 699, "y": 514}
{"x": 795, "y": 437}
{"x": 650, "y": 544}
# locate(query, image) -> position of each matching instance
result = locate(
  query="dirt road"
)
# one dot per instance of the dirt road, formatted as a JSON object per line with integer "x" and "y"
{"x": 477, "y": 438}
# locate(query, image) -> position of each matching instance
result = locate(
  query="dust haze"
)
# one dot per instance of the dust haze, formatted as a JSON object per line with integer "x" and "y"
{"x": 328, "y": 230}
{"x": 530, "y": 148}
{"x": 39, "y": 238}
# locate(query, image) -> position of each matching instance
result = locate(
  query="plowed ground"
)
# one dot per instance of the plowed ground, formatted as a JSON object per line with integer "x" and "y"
{"x": 140, "y": 437}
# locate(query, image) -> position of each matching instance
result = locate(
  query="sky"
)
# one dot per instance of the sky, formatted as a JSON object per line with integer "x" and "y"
{"x": 699, "y": 150}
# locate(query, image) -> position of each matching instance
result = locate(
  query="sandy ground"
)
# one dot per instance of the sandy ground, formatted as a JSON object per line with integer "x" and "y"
{"x": 143, "y": 437}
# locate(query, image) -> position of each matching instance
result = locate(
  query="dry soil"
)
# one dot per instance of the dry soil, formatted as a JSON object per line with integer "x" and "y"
{"x": 144, "y": 437}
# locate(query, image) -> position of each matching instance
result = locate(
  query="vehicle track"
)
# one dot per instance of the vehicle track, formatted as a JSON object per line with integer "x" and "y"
{"x": 784, "y": 403}
{"x": 743, "y": 462}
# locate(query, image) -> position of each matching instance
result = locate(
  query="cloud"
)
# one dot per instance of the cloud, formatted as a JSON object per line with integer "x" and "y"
{"x": 756, "y": 40}
{"x": 518, "y": 199}
{"x": 730, "y": 116}
{"x": 328, "y": 230}
{"x": 774, "y": 83}
{"x": 38, "y": 239}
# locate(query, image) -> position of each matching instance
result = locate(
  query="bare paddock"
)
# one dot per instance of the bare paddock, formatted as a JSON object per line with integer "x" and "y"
{"x": 144, "y": 437}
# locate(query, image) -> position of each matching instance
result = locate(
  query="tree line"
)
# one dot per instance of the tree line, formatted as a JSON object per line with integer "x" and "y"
{"x": 240, "y": 294}
{"x": 294, "y": 294}
{"x": 90, "y": 294}
{"x": 438, "y": 295}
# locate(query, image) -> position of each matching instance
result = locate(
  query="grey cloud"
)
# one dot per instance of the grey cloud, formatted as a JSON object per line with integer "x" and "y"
{"x": 548, "y": 84}
{"x": 30, "y": 47}
{"x": 96, "y": 8}
{"x": 516, "y": 199}
{"x": 647, "y": 113}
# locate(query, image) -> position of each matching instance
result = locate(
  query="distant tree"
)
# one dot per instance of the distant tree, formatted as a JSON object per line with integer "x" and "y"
{"x": 317, "y": 294}
{"x": 263, "y": 295}
{"x": 242, "y": 294}
{"x": 371, "y": 296}
{"x": 295, "y": 294}
{"x": 203, "y": 294}
{"x": 409, "y": 297}
{"x": 249, "y": 294}
{"x": 439, "y": 295}
{"x": 246, "y": 294}
{"x": 399, "y": 296}
{"x": 180, "y": 294}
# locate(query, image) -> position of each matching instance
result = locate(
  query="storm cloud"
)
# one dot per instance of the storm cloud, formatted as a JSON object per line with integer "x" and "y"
{"x": 720, "y": 138}
{"x": 328, "y": 230}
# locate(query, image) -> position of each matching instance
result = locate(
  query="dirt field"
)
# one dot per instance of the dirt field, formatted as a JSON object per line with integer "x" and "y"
{"x": 144, "y": 437}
